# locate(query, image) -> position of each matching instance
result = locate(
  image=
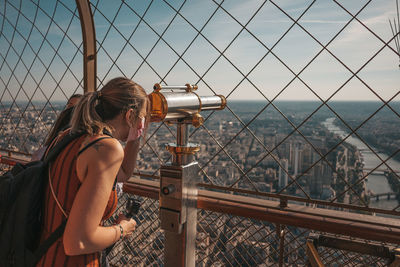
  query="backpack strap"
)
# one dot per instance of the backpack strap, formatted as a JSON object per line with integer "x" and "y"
{"x": 92, "y": 143}
{"x": 54, "y": 151}
{"x": 45, "y": 245}
{"x": 86, "y": 147}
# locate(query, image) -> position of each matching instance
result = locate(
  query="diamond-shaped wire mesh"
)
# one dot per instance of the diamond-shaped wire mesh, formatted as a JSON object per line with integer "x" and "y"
{"x": 320, "y": 149}
{"x": 226, "y": 240}
{"x": 146, "y": 245}
{"x": 269, "y": 146}
{"x": 337, "y": 257}
{"x": 332, "y": 257}
{"x": 321, "y": 126}
{"x": 40, "y": 68}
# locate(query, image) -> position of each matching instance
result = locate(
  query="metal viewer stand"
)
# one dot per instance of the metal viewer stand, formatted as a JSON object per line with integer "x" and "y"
{"x": 178, "y": 193}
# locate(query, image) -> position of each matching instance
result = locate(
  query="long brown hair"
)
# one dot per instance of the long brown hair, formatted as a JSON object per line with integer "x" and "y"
{"x": 96, "y": 108}
{"x": 62, "y": 121}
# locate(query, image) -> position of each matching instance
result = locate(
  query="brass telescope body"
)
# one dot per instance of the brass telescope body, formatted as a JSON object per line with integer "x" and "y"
{"x": 182, "y": 105}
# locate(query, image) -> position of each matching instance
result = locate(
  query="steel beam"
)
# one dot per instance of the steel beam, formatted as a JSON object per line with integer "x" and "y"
{"x": 89, "y": 45}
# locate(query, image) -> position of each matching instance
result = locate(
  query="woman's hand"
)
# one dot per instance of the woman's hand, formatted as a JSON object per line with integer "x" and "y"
{"x": 136, "y": 131}
{"x": 128, "y": 224}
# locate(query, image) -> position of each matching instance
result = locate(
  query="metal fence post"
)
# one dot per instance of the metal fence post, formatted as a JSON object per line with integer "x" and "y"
{"x": 178, "y": 202}
{"x": 89, "y": 45}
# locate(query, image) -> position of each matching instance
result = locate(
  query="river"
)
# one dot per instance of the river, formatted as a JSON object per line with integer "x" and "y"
{"x": 377, "y": 183}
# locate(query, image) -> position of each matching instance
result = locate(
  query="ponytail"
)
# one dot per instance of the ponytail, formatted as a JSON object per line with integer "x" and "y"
{"x": 95, "y": 109}
{"x": 86, "y": 118}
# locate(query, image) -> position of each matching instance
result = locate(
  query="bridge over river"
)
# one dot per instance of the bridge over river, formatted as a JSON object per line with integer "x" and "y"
{"x": 383, "y": 196}
{"x": 380, "y": 171}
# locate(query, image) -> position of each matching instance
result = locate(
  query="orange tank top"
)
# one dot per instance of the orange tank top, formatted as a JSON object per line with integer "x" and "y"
{"x": 66, "y": 184}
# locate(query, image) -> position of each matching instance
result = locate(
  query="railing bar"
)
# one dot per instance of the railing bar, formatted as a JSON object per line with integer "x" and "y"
{"x": 289, "y": 197}
{"x": 300, "y": 199}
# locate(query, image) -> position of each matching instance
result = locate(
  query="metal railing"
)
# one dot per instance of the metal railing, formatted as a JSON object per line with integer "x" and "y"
{"x": 247, "y": 149}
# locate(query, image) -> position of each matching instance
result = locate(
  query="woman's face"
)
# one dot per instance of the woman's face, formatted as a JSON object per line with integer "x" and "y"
{"x": 133, "y": 120}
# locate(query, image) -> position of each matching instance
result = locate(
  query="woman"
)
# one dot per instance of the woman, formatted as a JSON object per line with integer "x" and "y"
{"x": 83, "y": 177}
{"x": 61, "y": 123}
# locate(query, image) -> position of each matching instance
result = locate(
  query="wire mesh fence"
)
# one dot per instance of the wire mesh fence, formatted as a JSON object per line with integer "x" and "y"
{"x": 41, "y": 67}
{"x": 312, "y": 90}
{"x": 227, "y": 240}
{"x": 146, "y": 245}
{"x": 318, "y": 149}
{"x": 315, "y": 149}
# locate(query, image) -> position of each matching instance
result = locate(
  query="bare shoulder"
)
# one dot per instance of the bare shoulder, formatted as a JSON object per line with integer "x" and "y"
{"x": 103, "y": 147}
{"x": 101, "y": 158}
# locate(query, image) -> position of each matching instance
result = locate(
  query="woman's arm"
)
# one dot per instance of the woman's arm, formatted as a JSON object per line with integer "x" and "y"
{"x": 131, "y": 151}
{"x": 129, "y": 163}
{"x": 97, "y": 168}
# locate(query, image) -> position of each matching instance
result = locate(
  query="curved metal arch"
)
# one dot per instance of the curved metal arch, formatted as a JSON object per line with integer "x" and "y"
{"x": 89, "y": 45}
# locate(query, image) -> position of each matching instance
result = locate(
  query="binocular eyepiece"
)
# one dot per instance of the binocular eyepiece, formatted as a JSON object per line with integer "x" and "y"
{"x": 181, "y": 104}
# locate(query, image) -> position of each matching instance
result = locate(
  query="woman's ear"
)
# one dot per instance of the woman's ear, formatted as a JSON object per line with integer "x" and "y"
{"x": 129, "y": 117}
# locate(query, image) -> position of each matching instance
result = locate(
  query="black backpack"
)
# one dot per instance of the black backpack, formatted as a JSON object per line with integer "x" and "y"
{"x": 21, "y": 210}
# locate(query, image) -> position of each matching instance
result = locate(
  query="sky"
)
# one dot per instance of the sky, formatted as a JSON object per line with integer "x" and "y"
{"x": 245, "y": 50}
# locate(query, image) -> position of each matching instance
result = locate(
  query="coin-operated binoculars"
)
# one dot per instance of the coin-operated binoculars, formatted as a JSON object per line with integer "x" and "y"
{"x": 180, "y": 105}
